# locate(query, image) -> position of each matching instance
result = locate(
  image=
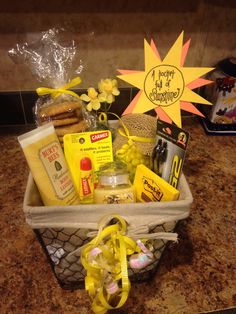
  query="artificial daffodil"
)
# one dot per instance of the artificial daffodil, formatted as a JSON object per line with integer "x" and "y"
{"x": 92, "y": 99}
{"x": 108, "y": 89}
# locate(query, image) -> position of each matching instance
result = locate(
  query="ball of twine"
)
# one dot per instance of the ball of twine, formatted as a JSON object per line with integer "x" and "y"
{"x": 140, "y": 125}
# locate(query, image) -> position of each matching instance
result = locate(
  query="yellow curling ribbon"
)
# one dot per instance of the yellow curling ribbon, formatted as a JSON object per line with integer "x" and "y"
{"x": 55, "y": 92}
{"x": 102, "y": 117}
{"x": 111, "y": 262}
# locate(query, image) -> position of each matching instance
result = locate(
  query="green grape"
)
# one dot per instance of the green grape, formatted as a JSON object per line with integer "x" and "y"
{"x": 142, "y": 161}
{"x": 120, "y": 152}
{"x": 136, "y": 155}
{"x": 128, "y": 158}
{"x": 125, "y": 146}
{"x": 135, "y": 162}
{"x": 133, "y": 149}
{"x": 132, "y": 156}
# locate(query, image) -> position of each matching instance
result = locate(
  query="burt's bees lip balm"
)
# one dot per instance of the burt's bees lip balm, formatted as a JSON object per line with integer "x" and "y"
{"x": 47, "y": 164}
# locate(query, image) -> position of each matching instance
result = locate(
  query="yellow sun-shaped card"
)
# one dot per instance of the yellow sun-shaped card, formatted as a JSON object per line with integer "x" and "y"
{"x": 166, "y": 86}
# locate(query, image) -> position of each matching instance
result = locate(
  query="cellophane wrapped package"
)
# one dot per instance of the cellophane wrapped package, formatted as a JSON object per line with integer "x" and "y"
{"x": 56, "y": 64}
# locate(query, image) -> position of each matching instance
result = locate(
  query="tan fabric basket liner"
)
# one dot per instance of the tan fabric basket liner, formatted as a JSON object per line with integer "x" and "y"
{"x": 64, "y": 230}
{"x": 87, "y": 216}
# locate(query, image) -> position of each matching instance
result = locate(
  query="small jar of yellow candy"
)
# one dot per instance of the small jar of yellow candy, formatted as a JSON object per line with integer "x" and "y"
{"x": 132, "y": 156}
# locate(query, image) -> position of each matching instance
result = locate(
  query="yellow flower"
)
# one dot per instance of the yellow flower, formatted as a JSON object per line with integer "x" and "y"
{"x": 108, "y": 89}
{"x": 92, "y": 99}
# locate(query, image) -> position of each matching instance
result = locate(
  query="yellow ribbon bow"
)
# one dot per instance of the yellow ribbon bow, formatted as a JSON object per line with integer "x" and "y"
{"x": 105, "y": 258}
{"x": 103, "y": 119}
{"x": 55, "y": 92}
{"x": 135, "y": 138}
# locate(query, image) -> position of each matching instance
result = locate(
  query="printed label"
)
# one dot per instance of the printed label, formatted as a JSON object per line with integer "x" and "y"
{"x": 152, "y": 188}
{"x": 119, "y": 198}
{"x": 175, "y": 171}
{"x": 56, "y": 168}
{"x": 225, "y": 84}
{"x": 85, "y": 186}
{"x": 98, "y": 136}
{"x": 145, "y": 198}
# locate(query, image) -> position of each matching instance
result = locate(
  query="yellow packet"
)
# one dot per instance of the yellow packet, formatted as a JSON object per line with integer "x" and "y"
{"x": 152, "y": 188}
{"x": 96, "y": 145}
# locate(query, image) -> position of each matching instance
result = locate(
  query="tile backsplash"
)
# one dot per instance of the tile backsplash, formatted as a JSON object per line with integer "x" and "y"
{"x": 11, "y": 109}
{"x": 109, "y": 36}
{"x": 17, "y": 108}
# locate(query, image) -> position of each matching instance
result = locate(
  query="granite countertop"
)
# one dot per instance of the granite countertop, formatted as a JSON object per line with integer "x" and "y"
{"x": 196, "y": 275}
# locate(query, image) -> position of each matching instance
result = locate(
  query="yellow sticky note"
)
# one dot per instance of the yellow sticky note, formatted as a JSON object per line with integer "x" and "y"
{"x": 152, "y": 188}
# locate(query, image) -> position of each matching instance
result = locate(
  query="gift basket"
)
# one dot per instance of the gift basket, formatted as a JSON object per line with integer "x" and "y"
{"x": 103, "y": 197}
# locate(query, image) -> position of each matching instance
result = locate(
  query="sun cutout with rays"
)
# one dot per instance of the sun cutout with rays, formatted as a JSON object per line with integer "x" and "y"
{"x": 166, "y": 86}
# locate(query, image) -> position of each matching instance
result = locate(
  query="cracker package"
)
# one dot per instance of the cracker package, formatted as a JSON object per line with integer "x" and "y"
{"x": 56, "y": 64}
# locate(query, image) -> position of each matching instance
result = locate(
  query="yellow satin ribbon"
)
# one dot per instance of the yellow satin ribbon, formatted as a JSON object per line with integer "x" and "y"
{"x": 112, "y": 261}
{"x": 134, "y": 138}
{"x": 103, "y": 118}
{"x": 55, "y": 92}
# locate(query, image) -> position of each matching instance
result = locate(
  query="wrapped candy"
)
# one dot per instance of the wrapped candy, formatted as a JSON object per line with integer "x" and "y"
{"x": 108, "y": 255}
{"x": 142, "y": 259}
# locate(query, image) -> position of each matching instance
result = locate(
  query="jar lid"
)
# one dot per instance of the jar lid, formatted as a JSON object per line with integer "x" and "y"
{"x": 115, "y": 179}
{"x": 113, "y": 173}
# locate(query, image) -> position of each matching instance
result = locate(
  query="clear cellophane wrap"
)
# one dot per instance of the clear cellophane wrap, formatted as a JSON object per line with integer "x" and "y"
{"x": 55, "y": 62}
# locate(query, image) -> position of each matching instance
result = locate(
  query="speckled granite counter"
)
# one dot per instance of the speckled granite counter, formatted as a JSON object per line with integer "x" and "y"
{"x": 196, "y": 275}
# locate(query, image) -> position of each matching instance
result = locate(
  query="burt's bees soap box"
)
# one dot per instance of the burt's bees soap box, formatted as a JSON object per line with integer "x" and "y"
{"x": 152, "y": 188}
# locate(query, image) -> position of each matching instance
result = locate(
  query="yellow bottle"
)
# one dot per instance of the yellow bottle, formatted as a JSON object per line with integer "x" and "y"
{"x": 47, "y": 164}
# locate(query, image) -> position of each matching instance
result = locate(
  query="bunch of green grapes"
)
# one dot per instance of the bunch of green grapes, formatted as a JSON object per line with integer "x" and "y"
{"x": 132, "y": 156}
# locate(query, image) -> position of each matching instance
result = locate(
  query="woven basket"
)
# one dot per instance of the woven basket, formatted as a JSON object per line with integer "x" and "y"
{"x": 63, "y": 230}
